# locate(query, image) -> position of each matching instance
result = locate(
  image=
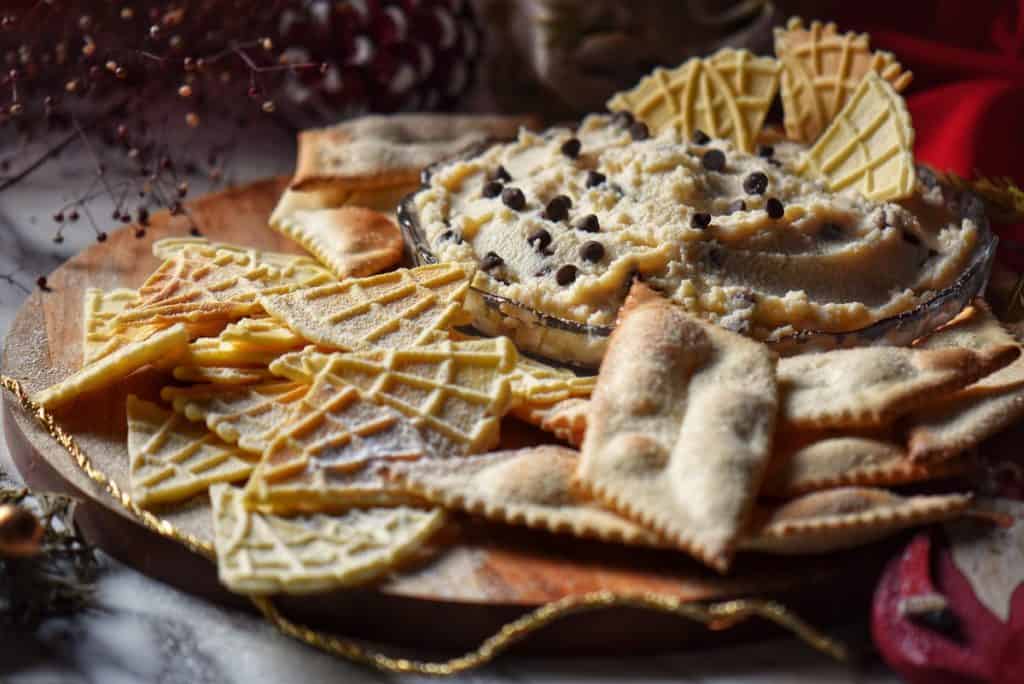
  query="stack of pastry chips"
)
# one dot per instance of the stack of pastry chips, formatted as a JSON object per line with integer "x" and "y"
{"x": 334, "y": 415}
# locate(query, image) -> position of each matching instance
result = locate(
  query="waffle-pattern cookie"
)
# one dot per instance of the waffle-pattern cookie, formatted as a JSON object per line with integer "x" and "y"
{"x": 172, "y": 459}
{"x": 402, "y": 308}
{"x": 726, "y": 95}
{"x": 259, "y": 553}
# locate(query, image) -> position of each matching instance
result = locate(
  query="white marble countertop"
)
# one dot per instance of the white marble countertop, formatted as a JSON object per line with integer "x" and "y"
{"x": 141, "y": 630}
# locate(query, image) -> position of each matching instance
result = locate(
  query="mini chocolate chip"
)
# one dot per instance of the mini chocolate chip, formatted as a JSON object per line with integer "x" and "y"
{"x": 565, "y": 275}
{"x": 738, "y": 205}
{"x": 558, "y": 208}
{"x": 502, "y": 175}
{"x": 700, "y": 220}
{"x": 830, "y": 232}
{"x": 451, "y": 235}
{"x": 639, "y": 131}
{"x": 513, "y": 198}
{"x": 595, "y": 178}
{"x": 623, "y": 119}
{"x": 714, "y": 256}
{"x": 539, "y": 240}
{"x": 491, "y": 260}
{"x": 774, "y": 208}
{"x": 491, "y": 189}
{"x": 571, "y": 148}
{"x": 765, "y": 151}
{"x": 775, "y": 162}
{"x": 755, "y": 184}
{"x": 588, "y": 224}
{"x": 592, "y": 250}
{"x": 699, "y": 137}
{"x": 910, "y": 238}
{"x": 713, "y": 160}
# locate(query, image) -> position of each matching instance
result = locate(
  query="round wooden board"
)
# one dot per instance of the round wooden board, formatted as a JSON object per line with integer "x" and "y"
{"x": 480, "y": 575}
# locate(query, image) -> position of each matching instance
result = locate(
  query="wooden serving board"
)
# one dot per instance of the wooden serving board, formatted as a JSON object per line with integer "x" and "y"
{"x": 480, "y": 576}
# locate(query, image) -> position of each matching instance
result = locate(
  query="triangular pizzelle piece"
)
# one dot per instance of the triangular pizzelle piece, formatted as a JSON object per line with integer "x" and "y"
{"x": 259, "y": 553}
{"x": 402, "y": 308}
{"x": 247, "y": 415}
{"x": 537, "y": 383}
{"x": 201, "y": 281}
{"x": 821, "y": 68}
{"x": 680, "y": 427}
{"x": 171, "y": 459}
{"x": 871, "y": 386}
{"x": 318, "y": 459}
{"x": 868, "y": 147}
{"x": 222, "y": 375}
{"x": 351, "y": 241}
{"x": 726, "y": 95}
{"x": 161, "y": 346}
{"x": 212, "y": 352}
{"x": 825, "y": 460}
{"x": 844, "y": 518}
{"x": 261, "y": 333}
{"x": 99, "y": 334}
{"x": 454, "y": 392}
{"x": 528, "y": 487}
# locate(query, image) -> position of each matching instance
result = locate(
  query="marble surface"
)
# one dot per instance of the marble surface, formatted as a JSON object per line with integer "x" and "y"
{"x": 140, "y": 630}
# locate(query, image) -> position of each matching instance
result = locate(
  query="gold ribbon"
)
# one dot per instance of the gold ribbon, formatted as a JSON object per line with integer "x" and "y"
{"x": 715, "y": 616}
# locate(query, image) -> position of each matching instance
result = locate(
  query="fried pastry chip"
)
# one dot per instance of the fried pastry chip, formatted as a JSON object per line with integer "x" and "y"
{"x": 870, "y": 386}
{"x": 829, "y": 459}
{"x": 402, "y": 308}
{"x": 821, "y": 69}
{"x": 247, "y": 415}
{"x": 201, "y": 281}
{"x": 528, "y": 487}
{"x": 454, "y": 392}
{"x": 726, "y": 95}
{"x": 318, "y": 461}
{"x": 259, "y": 553}
{"x": 171, "y": 459}
{"x": 383, "y": 151}
{"x": 162, "y": 345}
{"x": 680, "y": 427}
{"x": 844, "y": 518}
{"x": 869, "y": 146}
{"x": 351, "y": 241}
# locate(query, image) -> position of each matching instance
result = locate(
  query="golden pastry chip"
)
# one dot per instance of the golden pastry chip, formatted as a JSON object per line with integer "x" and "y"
{"x": 820, "y": 71}
{"x": 402, "y": 308}
{"x": 220, "y": 375}
{"x": 172, "y": 459}
{"x": 870, "y": 386}
{"x": 726, "y": 95}
{"x": 680, "y": 427}
{"x": 566, "y": 419}
{"x": 351, "y": 241}
{"x": 528, "y": 487}
{"x": 382, "y": 151}
{"x": 843, "y": 518}
{"x": 318, "y": 459}
{"x": 247, "y": 415}
{"x": 267, "y": 554}
{"x": 202, "y": 281}
{"x": 454, "y": 392}
{"x": 161, "y": 346}
{"x": 829, "y": 459}
{"x": 869, "y": 146}
{"x": 963, "y": 421}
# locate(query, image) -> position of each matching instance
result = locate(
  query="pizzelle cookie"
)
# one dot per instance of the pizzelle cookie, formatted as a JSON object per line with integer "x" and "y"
{"x": 869, "y": 146}
{"x": 261, "y": 332}
{"x": 528, "y": 487}
{"x": 247, "y": 415}
{"x": 318, "y": 460}
{"x": 402, "y": 308}
{"x": 115, "y": 366}
{"x": 566, "y": 419}
{"x": 541, "y": 392}
{"x": 259, "y": 553}
{"x": 870, "y": 386}
{"x": 680, "y": 427}
{"x": 726, "y": 95}
{"x": 221, "y": 375}
{"x": 820, "y": 70}
{"x": 843, "y": 518}
{"x": 98, "y": 314}
{"x": 351, "y": 241}
{"x": 171, "y": 459}
{"x": 454, "y": 392}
